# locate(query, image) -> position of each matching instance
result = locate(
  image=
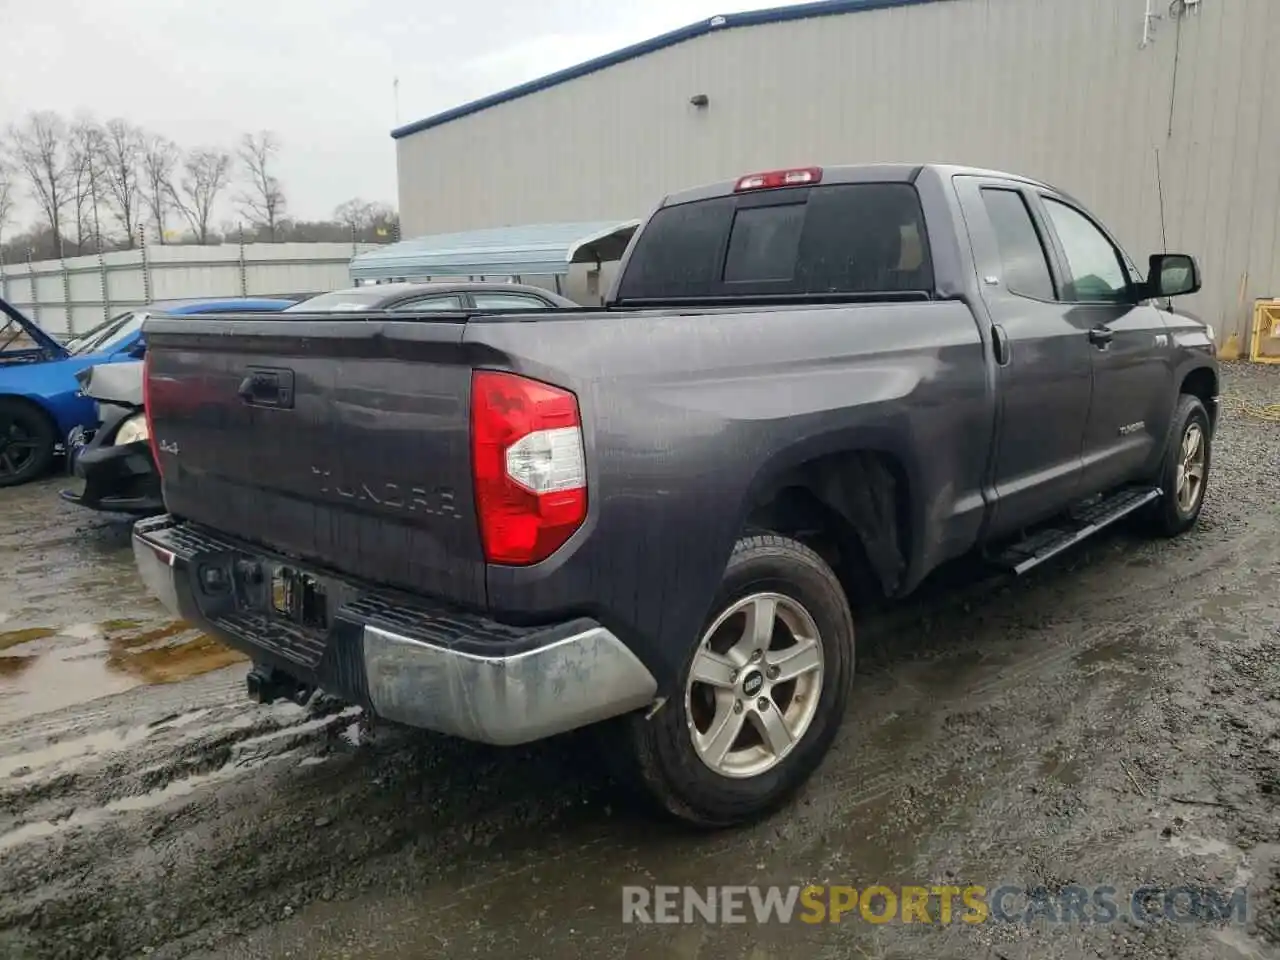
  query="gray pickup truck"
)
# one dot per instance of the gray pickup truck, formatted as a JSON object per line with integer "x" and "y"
{"x": 807, "y": 390}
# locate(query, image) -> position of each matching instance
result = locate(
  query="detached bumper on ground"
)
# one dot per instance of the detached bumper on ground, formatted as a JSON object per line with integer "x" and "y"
{"x": 415, "y": 662}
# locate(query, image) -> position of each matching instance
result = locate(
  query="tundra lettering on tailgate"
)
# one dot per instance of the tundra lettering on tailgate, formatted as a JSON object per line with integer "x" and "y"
{"x": 438, "y": 502}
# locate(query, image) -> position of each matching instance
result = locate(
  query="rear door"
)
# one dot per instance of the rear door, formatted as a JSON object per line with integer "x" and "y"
{"x": 1133, "y": 378}
{"x": 1043, "y": 363}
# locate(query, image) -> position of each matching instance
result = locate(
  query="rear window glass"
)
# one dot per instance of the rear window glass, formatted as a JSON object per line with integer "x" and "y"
{"x": 862, "y": 238}
{"x": 341, "y": 300}
{"x": 763, "y": 243}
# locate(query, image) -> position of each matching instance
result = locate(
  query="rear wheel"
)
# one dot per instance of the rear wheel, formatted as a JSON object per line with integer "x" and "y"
{"x": 762, "y": 693}
{"x": 27, "y": 441}
{"x": 1184, "y": 473}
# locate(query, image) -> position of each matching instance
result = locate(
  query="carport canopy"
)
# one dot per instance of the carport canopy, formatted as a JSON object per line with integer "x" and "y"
{"x": 544, "y": 249}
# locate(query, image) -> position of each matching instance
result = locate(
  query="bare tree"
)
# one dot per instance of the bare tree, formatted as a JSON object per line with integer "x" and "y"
{"x": 206, "y": 173}
{"x": 355, "y": 213}
{"x": 85, "y": 145}
{"x": 124, "y": 147}
{"x": 8, "y": 199}
{"x": 39, "y": 145}
{"x": 262, "y": 201}
{"x": 159, "y": 160}
{"x": 365, "y": 220}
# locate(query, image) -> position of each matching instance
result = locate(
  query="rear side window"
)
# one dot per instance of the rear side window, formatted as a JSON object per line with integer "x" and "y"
{"x": 430, "y": 303}
{"x": 507, "y": 301}
{"x": 1026, "y": 268}
{"x": 864, "y": 238}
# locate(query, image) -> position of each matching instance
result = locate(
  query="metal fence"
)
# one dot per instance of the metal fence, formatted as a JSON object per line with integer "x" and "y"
{"x": 73, "y": 294}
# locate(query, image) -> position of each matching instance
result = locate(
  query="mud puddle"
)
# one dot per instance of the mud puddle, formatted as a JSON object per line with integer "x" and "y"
{"x": 76, "y": 624}
{"x": 44, "y": 668}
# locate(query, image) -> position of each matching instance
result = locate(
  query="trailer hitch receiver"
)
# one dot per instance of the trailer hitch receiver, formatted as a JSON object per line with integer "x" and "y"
{"x": 267, "y": 685}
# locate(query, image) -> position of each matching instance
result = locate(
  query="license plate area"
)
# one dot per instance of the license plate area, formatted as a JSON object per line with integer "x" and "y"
{"x": 297, "y": 597}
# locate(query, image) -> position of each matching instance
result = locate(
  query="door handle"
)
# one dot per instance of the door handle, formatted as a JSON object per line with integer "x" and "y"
{"x": 267, "y": 387}
{"x": 1101, "y": 336}
{"x": 1000, "y": 344}
{"x": 258, "y": 387}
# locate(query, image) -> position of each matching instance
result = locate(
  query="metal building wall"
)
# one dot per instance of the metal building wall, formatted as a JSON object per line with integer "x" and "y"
{"x": 1058, "y": 89}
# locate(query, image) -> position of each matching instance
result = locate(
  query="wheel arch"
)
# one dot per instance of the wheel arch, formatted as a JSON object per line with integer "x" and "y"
{"x": 39, "y": 407}
{"x": 853, "y": 499}
{"x": 1202, "y": 381}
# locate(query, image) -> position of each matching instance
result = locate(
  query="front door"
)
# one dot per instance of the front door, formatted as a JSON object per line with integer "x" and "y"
{"x": 1133, "y": 380}
{"x": 1043, "y": 362}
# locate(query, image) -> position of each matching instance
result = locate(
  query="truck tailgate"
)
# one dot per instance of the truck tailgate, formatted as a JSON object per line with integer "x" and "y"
{"x": 344, "y": 442}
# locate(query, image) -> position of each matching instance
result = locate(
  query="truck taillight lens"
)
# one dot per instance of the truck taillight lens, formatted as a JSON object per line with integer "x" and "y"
{"x": 146, "y": 409}
{"x": 528, "y": 466}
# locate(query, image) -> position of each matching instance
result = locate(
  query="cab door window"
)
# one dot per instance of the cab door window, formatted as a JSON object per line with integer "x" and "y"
{"x": 1097, "y": 270}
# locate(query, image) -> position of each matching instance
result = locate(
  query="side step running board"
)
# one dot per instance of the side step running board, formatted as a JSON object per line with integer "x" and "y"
{"x": 1082, "y": 523}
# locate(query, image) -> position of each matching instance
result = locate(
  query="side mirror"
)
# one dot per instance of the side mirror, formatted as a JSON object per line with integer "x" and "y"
{"x": 138, "y": 350}
{"x": 1172, "y": 275}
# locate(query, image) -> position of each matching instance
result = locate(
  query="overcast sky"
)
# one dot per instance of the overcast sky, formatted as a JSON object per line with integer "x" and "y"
{"x": 318, "y": 72}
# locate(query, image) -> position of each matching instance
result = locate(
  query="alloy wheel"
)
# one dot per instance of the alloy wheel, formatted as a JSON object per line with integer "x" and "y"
{"x": 754, "y": 684}
{"x": 1191, "y": 468}
{"x": 17, "y": 448}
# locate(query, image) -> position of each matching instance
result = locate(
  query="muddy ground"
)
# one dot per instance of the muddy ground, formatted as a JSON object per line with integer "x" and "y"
{"x": 1112, "y": 719}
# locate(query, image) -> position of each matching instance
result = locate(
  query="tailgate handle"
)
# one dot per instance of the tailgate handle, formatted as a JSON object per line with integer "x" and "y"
{"x": 267, "y": 387}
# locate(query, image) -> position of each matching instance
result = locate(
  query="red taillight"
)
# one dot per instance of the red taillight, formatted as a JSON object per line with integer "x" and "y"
{"x": 146, "y": 409}
{"x": 528, "y": 466}
{"x": 797, "y": 177}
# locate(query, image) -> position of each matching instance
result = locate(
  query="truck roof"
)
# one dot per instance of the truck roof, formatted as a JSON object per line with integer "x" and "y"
{"x": 856, "y": 173}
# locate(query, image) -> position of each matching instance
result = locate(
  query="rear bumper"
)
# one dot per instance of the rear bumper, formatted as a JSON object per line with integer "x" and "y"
{"x": 406, "y": 659}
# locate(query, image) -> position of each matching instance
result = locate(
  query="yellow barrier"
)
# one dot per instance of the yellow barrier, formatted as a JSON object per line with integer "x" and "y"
{"x": 1264, "y": 345}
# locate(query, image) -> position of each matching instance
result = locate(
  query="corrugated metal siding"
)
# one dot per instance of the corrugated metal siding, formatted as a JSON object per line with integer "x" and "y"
{"x": 1057, "y": 90}
{"x": 545, "y": 249}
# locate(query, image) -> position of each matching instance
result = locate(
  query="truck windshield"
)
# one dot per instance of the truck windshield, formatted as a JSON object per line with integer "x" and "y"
{"x": 859, "y": 239}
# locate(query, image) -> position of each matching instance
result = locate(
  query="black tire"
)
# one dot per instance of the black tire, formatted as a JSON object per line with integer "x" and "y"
{"x": 27, "y": 441}
{"x": 1167, "y": 516}
{"x": 659, "y": 755}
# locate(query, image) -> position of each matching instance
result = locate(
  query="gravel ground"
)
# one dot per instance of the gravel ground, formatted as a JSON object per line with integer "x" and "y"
{"x": 1112, "y": 719}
